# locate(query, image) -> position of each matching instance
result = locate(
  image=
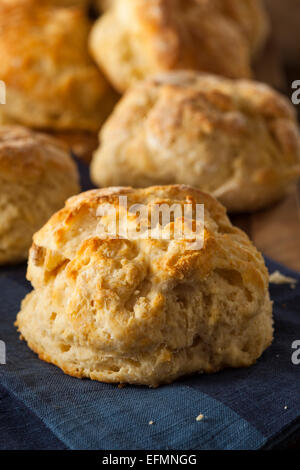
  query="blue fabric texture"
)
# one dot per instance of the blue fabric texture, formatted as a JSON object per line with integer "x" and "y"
{"x": 42, "y": 408}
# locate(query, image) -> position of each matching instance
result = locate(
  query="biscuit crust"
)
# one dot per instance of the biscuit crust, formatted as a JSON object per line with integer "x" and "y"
{"x": 144, "y": 311}
{"x": 236, "y": 139}
{"x": 68, "y": 3}
{"x": 51, "y": 81}
{"x": 137, "y": 38}
{"x": 37, "y": 175}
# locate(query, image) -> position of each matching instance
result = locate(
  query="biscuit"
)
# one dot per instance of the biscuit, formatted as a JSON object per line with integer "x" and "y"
{"x": 251, "y": 18}
{"x": 144, "y": 310}
{"x": 68, "y": 3}
{"x": 51, "y": 81}
{"x": 137, "y": 38}
{"x": 103, "y": 4}
{"x": 37, "y": 175}
{"x": 238, "y": 140}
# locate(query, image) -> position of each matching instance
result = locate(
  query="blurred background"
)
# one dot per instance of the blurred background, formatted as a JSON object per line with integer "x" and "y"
{"x": 59, "y": 64}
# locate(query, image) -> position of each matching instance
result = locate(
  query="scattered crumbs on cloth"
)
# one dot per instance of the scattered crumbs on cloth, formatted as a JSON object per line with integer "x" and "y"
{"x": 200, "y": 417}
{"x": 277, "y": 278}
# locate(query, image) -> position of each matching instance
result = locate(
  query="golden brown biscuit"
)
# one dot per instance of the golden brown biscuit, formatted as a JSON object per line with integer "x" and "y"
{"x": 250, "y": 16}
{"x": 142, "y": 310}
{"x": 68, "y": 3}
{"x": 238, "y": 139}
{"x": 99, "y": 5}
{"x": 61, "y": 3}
{"x": 37, "y": 175}
{"x": 103, "y": 4}
{"x": 51, "y": 81}
{"x": 136, "y": 38}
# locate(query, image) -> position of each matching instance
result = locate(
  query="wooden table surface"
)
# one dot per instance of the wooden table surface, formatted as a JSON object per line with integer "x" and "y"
{"x": 276, "y": 231}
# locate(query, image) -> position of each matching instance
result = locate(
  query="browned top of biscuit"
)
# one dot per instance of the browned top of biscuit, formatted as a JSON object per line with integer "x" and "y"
{"x": 212, "y": 102}
{"x": 237, "y": 139}
{"x": 47, "y": 69}
{"x": 25, "y": 155}
{"x": 71, "y": 234}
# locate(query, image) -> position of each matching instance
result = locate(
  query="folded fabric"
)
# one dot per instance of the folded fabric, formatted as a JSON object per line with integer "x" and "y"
{"x": 42, "y": 408}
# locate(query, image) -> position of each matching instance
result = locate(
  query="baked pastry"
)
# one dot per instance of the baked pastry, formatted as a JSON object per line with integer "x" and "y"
{"x": 69, "y": 3}
{"x": 37, "y": 175}
{"x": 144, "y": 310}
{"x": 238, "y": 140}
{"x": 51, "y": 81}
{"x": 103, "y": 4}
{"x": 136, "y": 38}
{"x": 250, "y": 16}
{"x": 61, "y": 3}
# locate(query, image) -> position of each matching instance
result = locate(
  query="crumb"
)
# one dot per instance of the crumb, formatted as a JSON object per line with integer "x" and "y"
{"x": 285, "y": 407}
{"x": 151, "y": 422}
{"x": 200, "y": 417}
{"x": 278, "y": 278}
{"x": 121, "y": 385}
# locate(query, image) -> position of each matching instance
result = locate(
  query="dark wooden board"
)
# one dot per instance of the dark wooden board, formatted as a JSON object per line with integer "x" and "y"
{"x": 276, "y": 231}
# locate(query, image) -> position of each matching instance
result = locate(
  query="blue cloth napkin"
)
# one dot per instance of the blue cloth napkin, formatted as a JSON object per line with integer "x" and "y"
{"x": 42, "y": 408}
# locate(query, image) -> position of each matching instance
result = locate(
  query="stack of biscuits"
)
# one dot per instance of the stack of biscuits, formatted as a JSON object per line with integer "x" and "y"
{"x": 164, "y": 95}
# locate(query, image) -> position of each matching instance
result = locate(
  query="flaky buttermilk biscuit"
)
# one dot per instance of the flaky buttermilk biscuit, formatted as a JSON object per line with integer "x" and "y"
{"x": 141, "y": 310}
{"x": 51, "y": 81}
{"x": 236, "y": 139}
{"x": 136, "y": 38}
{"x": 37, "y": 175}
